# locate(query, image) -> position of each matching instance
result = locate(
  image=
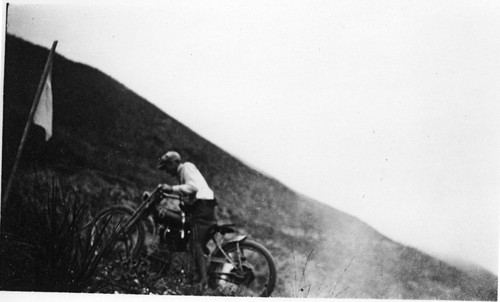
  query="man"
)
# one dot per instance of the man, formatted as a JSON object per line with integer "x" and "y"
{"x": 200, "y": 203}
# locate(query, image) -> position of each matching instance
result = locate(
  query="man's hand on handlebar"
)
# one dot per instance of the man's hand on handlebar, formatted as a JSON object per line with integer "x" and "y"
{"x": 166, "y": 188}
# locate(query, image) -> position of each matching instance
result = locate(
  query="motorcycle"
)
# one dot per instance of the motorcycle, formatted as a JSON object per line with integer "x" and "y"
{"x": 235, "y": 266}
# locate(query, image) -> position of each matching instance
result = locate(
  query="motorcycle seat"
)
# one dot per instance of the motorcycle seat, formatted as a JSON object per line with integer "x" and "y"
{"x": 223, "y": 228}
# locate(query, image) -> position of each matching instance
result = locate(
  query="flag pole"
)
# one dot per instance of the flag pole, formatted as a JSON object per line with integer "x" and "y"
{"x": 41, "y": 85}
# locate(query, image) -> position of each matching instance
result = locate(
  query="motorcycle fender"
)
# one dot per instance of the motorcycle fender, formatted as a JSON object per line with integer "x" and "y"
{"x": 239, "y": 238}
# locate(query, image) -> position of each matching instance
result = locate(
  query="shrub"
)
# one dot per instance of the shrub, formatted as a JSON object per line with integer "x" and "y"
{"x": 46, "y": 242}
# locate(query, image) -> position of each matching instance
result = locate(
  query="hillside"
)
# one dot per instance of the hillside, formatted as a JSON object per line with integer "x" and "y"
{"x": 107, "y": 138}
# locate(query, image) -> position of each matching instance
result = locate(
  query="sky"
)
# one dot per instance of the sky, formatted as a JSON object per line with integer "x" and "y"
{"x": 386, "y": 110}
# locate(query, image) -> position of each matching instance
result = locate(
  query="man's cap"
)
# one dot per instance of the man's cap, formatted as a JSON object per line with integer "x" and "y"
{"x": 167, "y": 157}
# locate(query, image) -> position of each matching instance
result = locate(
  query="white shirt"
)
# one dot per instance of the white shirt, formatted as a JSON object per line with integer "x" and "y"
{"x": 192, "y": 182}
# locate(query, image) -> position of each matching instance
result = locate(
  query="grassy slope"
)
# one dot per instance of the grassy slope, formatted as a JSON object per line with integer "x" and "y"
{"x": 106, "y": 136}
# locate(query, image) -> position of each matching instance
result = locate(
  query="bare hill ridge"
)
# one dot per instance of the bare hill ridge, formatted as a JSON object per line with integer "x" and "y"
{"x": 106, "y": 136}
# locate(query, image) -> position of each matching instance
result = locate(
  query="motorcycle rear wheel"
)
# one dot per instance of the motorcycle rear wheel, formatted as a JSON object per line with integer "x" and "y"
{"x": 250, "y": 272}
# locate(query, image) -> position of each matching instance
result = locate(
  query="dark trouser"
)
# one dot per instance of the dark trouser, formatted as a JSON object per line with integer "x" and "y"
{"x": 202, "y": 218}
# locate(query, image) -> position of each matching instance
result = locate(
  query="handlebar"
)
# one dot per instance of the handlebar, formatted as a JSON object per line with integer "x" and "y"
{"x": 157, "y": 195}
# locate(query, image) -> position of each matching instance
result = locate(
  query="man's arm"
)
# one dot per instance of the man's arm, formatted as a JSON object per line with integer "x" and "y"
{"x": 185, "y": 189}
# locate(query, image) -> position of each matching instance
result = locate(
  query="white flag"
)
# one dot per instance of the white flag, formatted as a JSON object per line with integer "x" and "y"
{"x": 43, "y": 114}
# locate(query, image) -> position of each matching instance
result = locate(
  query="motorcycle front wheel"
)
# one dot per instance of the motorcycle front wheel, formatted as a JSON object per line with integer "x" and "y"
{"x": 245, "y": 268}
{"x": 109, "y": 233}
